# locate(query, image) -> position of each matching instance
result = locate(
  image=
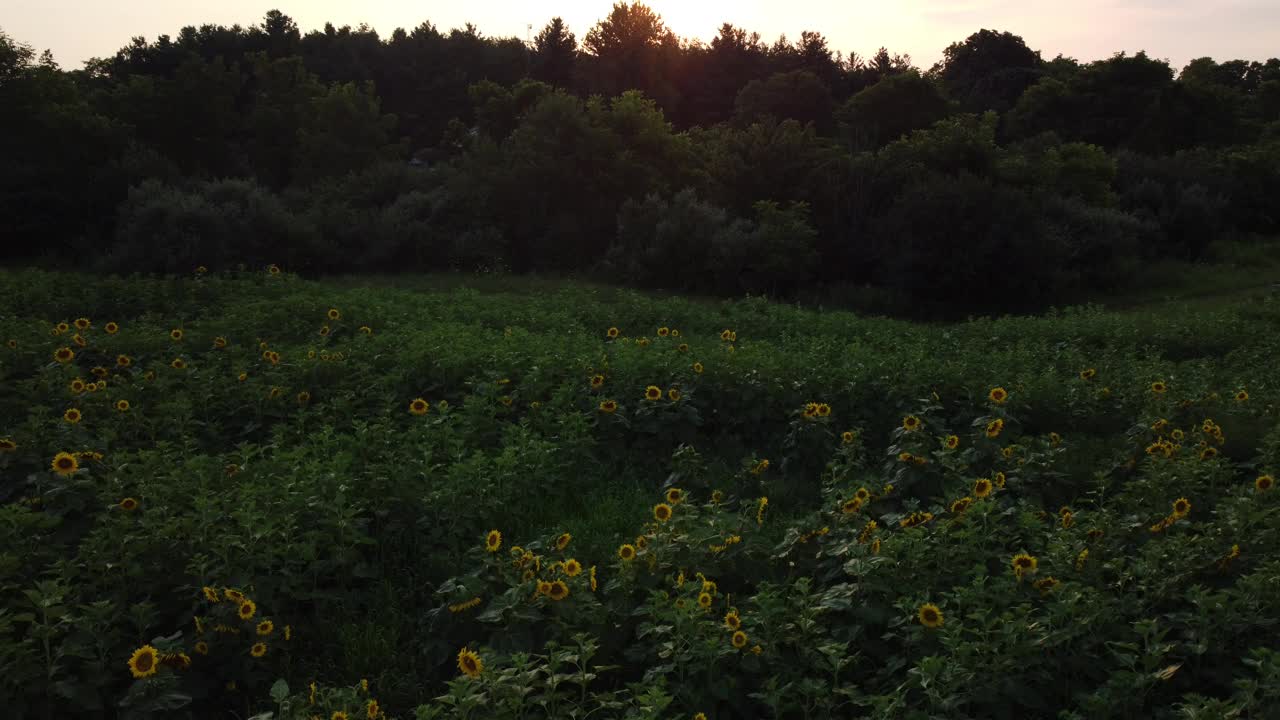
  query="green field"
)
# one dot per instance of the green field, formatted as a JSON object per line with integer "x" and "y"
{"x": 268, "y": 464}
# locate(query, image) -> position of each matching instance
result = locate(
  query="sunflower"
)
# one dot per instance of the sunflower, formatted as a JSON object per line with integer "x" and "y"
{"x": 998, "y": 395}
{"x": 700, "y": 716}
{"x": 982, "y": 487}
{"x": 82, "y": 323}
{"x": 1046, "y": 584}
{"x": 726, "y": 335}
{"x": 337, "y": 714}
{"x": 653, "y": 392}
{"x": 704, "y": 600}
{"x": 905, "y": 457}
{"x": 1088, "y": 374}
{"x": 78, "y": 340}
{"x": 608, "y": 406}
{"x": 273, "y": 269}
{"x": 210, "y": 594}
{"x": 1008, "y": 452}
{"x": 1242, "y": 396}
{"x": 612, "y": 333}
{"x": 572, "y": 567}
{"x": 739, "y": 639}
{"x": 683, "y": 347}
{"x": 178, "y": 364}
{"x": 176, "y": 334}
{"x": 563, "y": 540}
{"x": 111, "y": 328}
{"x": 65, "y": 463}
{"x": 493, "y": 541}
{"x": 122, "y": 405}
{"x": 847, "y": 437}
{"x": 824, "y": 410}
{"x": 1181, "y": 507}
{"x": 64, "y": 355}
{"x": 288, "y": 632}
{"x": 994, "y": 427}
{"x": 662, "y": 512}
{"x": 419, "y": 407}
{"x": 593, "y": 578}
{"x": 930, "y": 616}
{"x": 242, "y": 377}
{"x": 627, "y": 552}
{"x": 234, "y": 596}
{"x": 673, "y": 395}
{"x": 304, "y": 397}
{"x": 258, "y": 650}
{"x": 266, "y": 627}
{"x": 470, "y": 663}
{"x": 999, "y": 479}
{"x": 1068, "y": 519}
{"x": 371, "y": 710}
{"x": 911, "y": 423}
{"x": 202, "y": 647}
{"x": 1159, "y": 387}
{"x": 697, "y": 368}
{"x": 959, "y": 506}
{"x": 7, "y": 445}
{"x": 952, "y": 442}
{"x": 851, "y": 506}
{"x": 324, "y": 331}
{"x": 1024, "y": 563}
{"x": 1264, "y": 483}
{"x": 143, "y": 662}
{"x": 62, "y": 327}
{"x": 1208, "y": 453}
{"x": 664, "y": 331}
{"x": 72, "y": 415}
{"x": 558, "y": 590}
{"x": 334, "y": 314}
{"x": 128, "y": 504}
{"x": 366, "y": 329}
{"x": 675, "y": 496}
{"x": 597, "y": 381}
{"x": 13, "y": 344}
{"x": 247, "y": 610}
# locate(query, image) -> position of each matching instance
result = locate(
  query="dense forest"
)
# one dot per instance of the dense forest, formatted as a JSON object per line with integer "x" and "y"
{"x": 996, "y": 177}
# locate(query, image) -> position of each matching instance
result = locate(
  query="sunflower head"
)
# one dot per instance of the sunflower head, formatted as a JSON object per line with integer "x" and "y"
{"x": 675, "y": 496}
{"x": 847, "y": 437}
{"x": 998, "y": 395}
{"x": 612, "y": 333}
{"x": 673, "y": 395}
{"x": 664, "y": 331}
{"x": 563, "y": 540}
{"x": 128, "y": 504}
{"x": 111, "y": 328}
{"x": 72, "y": 415}
{"x": 493, "y": 541}
{"x": 202, "y": 647}
{"x": 959, "y": 506}
{"x": 608, "y": 406}
{"x": 738, "y": 639}
{"x": 210, "y": 594}
{"x": 82, "y": 323}
{"x": 558, "y": 590}
{"x": 266, "y": 627}
{"x": 683, "y": 347}
{"x": 697, "y": 368}
{"x": 705, "y": 600}
{"x": 470, "y": 663}
{"x": 851, "y": 506}
{"x": 176, "y": 334}
{"x": 930, "y": 616}
{"x": 572, "y": 567}
{"x": 247, "y": 609}
{"x": 178, "y": 364}
{"x": 304, "y": 397}
{"x": 597, "y": 381}
{"x": 1181, "y": 507}
{"x": 1241, "y": 396}
{"x": 419, "y": 407}
{"x": 144, "y": 661}
{"x": 952, "y": 442}
{"x": 1159, "y": 387}
{"x": 911, "y": 423}
{"x": 258, "y": 650}
{"x": 653, "y": 392}
{"x": 662, "y": 512}
{"x": 64, "y": 355}
{"x": 1023, "y": 564}
{"x": 732, "y": 620}
{"x": 324, "y": 331}
{"x": 994, "y": 428}
{"x": 1088, "y": 374}
{"x": 1264, "y": 483}
{"x": 333, "y": 314}
{"x": 627, "y": 552}
{"x": 122, "y": 405}
{"x": 273, "y": 269}
{"x": 65, "y": 463}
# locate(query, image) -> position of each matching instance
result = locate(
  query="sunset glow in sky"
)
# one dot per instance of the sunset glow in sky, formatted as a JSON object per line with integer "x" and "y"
{"x": 1178, "y": 30}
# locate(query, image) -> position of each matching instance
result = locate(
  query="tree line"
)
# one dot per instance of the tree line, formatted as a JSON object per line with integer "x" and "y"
{"x": 993, "y": 179}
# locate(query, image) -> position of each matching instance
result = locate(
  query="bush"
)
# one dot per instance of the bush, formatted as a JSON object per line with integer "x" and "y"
{"x": 666, "y": 243}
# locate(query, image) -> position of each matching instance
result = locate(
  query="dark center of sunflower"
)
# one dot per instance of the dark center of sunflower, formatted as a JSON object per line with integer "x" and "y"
{"x": 145, "y": 661}
{"x": 930, "y": 615}
{"x": 1024, "y": 562}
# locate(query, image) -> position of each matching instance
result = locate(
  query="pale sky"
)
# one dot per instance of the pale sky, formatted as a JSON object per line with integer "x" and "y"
{"x": 1176, "y": 30}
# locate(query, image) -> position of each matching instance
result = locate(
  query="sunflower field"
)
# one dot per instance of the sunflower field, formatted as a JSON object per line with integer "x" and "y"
{"x": 245, "y": 494}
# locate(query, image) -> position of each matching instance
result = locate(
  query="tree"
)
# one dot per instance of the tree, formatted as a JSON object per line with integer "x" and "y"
{"x": 989, "y": 70}
{"x": 626, "y": 47}
{"x": 345, "y": 132}
{"x": 555, "y": 53}
{"x": 890, "y": 109}
{"x": 799, "y": 95}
